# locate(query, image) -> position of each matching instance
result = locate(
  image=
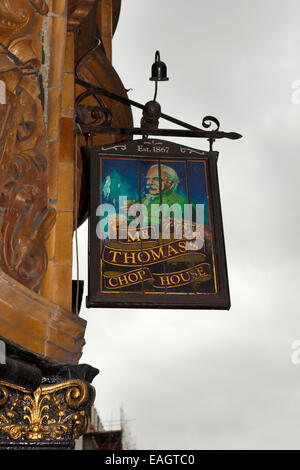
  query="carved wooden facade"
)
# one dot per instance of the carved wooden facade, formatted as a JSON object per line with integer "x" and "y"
{"x": 26, "y": 218}
{"x": 44, "y": 393}
{"x": 40, "y": 44}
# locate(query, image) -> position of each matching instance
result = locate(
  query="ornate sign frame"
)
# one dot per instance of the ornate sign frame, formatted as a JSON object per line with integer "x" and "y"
{"x": 143, "y": 271}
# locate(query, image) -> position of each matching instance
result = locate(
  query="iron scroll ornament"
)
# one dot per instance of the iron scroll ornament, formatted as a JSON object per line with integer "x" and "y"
{"x": 87, "y": 125}
{"x": 93, "y": 116}
{"x": 207, "y": 120}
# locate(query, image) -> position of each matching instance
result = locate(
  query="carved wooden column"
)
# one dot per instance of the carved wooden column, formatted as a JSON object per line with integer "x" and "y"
{"x": 57, "y": 285}
{"x": 44, "y": 394}
{"x": 29, "y": 156}
{"x": 26, "y": 219}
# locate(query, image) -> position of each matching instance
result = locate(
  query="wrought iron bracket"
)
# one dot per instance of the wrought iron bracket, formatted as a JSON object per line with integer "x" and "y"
{"x": 92, "y": 120}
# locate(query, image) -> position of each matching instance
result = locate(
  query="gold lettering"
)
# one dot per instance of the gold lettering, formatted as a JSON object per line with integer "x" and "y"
{"x": 145, "y": 234}
{"x": 115, "y": 253}
{"x": 110, "y": 281}
{"x": 172, "y": 251}
{"x": 175, "y": 279}
{"x": 159, "y": 255}
{"x": 201, "y": 271}
{"x": 136, "y": 236}
{"x": 142, "y": 274}
{"x": 133, "y": 277}
{"x": 182, "y": 245}
{"x": 131, "y": 255}
{"x": 141, "y": 256}
{"x": 188, "y": 276}
{"x": 164, "y": 280}
{"x": 123, "y": 280}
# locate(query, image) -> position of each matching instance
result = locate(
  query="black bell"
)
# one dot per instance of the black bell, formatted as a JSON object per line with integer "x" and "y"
{"x": 159, "y": 70}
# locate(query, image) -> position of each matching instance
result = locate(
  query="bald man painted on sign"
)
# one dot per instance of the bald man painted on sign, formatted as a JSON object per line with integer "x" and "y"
{"x": 161, "y": 184}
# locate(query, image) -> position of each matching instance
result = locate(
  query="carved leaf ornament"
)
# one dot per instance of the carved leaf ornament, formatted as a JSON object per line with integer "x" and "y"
{"x": 25, "y": 218}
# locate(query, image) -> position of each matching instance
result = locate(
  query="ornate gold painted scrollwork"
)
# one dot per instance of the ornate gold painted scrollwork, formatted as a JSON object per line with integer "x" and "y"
{"x": 25, "y": 218}
{"x": 3, "y": 395}
{"x": 50, "y": 412}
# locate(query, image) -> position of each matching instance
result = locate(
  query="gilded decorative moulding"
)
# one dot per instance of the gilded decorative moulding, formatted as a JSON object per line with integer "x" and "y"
{"x": 52, "y": 412}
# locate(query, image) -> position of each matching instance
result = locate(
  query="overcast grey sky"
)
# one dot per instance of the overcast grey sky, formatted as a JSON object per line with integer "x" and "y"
{"x": 216, "y": 379}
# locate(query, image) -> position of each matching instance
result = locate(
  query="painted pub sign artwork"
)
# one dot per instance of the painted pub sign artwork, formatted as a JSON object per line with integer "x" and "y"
{"x": 155, "y": 227}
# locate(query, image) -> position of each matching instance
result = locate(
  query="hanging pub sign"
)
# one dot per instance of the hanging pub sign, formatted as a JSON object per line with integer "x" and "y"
{"x": 155, "y": 227}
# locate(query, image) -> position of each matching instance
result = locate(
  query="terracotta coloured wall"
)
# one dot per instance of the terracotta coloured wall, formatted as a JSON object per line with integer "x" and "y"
{"x": 57, "y": 285}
